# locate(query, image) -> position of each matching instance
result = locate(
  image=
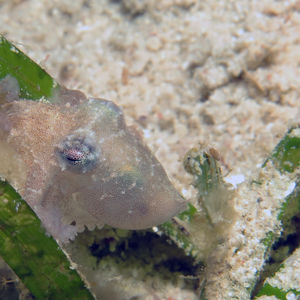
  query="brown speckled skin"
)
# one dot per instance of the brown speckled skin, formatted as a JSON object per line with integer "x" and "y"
{"x": 122, "y": 184}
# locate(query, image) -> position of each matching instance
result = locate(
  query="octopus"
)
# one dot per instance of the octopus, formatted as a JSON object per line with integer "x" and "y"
{"x": 78, "y": 165}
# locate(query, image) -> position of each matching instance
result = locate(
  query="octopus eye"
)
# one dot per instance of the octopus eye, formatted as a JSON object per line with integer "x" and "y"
{"x": 77, "y": 154}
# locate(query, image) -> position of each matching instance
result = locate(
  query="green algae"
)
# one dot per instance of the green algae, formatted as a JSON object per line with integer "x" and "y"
{"x": 286, "y": 159}
{"x": 269, "y": 290}
{"x": 286, "y": 156}
{"x": 32, "y": 254}
{"x": 34, "y": 82}
{"x": 269, "y": 239}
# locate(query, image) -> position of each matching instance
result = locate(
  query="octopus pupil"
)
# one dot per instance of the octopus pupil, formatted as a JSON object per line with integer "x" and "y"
{"x": 74, "y": 155}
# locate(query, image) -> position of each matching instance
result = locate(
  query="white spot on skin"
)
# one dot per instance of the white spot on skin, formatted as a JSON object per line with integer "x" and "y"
{"x": 146, "y": 133}
{"x": 235, "y": 180}
{"x": 83, "y": 28}
{"x": 291, "y": 296}
{"x": 289, "y": 189}
{"x": 184, "y": 192}
{"x": 155, "y": 229}
{"x": 17, "y": 207}
{"x": 267, "y": 212}
{"x": 39, "y": 192}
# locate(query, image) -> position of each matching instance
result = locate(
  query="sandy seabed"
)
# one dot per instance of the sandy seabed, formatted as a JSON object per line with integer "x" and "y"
{"x": 222, "y": 73}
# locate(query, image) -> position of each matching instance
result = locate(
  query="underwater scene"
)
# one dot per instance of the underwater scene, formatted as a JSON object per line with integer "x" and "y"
{"x": 149, "y": 150}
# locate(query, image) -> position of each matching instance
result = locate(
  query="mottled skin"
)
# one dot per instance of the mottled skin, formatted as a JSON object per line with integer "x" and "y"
{"x": 77, "y": 164}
